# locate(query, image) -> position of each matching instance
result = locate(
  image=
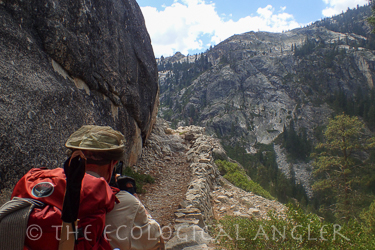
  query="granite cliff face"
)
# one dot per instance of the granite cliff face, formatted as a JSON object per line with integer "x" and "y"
{"x": 65, "y": 64}
{"x": 256, "y": 84}
{"x": 247, "y": 88}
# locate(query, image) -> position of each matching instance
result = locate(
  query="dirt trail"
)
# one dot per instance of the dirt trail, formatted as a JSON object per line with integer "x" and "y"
{"x": 163, "y": 197}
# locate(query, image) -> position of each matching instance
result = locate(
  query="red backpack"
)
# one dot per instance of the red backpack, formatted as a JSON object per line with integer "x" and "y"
{"x": 48, "y": 186}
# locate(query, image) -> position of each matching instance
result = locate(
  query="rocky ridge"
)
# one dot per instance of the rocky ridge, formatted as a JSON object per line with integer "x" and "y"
{"x": 205, "y": 196}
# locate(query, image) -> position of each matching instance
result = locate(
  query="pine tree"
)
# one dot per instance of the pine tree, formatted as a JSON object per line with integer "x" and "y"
{"x": 371, "y": 19}
{"x": 337, "y": 166}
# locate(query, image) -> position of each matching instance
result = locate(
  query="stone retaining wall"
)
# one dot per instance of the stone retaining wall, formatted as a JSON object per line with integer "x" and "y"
{"x": 196, "y": 210}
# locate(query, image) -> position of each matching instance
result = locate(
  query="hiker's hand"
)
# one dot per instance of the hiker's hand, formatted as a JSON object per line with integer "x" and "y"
{"x": 127, "y": 183}
{"x": 74, "y": 169}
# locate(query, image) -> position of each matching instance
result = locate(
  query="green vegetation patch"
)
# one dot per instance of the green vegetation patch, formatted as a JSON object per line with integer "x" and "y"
{"x": 237, "y": 176}
{"x": 299, "y": 230}
{"x": 263, "y": 169}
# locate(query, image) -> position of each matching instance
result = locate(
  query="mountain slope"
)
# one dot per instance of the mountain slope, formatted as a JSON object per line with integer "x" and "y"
{"x": 256, "y": 84}
{"x": 247, "y": 89}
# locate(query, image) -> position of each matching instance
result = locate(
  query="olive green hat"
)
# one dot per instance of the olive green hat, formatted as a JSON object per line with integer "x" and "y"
{"x": 98, "y": 139}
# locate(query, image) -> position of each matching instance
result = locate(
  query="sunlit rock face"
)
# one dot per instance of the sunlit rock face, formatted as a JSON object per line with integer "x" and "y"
{"x": 256, "y": 85}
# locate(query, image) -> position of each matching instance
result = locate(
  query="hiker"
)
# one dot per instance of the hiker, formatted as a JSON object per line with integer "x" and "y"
{"x": 128, "y": 225}
{"x": 51, "y": 204}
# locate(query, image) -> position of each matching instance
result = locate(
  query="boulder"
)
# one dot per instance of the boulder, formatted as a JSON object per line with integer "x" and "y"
{"x": 198, "y": 247}
{"x": 65, "y": 64}
{"x": 219, "y": 154}
{"x": 187, "y": 237}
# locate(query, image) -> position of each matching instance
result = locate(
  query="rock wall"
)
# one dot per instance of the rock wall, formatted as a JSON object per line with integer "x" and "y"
{"x": 205, "y": 174}
{"x": 196, "y": 210}
{"x": 65, "y": 64}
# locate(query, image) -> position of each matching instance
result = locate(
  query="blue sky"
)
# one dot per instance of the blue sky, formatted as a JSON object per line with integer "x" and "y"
{"x": 192, "y": 26}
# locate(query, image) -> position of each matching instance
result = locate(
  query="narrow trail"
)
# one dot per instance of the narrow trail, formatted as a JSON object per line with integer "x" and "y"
{"x": 163, "y": 197}
{"x": 164, "y": 158}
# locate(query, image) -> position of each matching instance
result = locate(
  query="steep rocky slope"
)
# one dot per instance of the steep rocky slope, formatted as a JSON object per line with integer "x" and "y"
{"x": 65, "y": 64}
{"x": 248, "y": 88}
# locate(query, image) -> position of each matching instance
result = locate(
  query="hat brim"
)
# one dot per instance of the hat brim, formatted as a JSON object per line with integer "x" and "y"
{"x": 121, "y": 148}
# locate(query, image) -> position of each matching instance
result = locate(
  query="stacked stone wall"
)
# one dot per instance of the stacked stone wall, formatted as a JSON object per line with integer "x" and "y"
{"x": 196, "y": 210}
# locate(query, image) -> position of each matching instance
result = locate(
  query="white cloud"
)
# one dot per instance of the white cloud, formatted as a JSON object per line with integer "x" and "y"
{"x": 179, "y": 27}
{"x": 337, "y": 6}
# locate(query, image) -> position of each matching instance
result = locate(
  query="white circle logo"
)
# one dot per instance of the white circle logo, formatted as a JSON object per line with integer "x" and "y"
{"x": 43, "y": 189}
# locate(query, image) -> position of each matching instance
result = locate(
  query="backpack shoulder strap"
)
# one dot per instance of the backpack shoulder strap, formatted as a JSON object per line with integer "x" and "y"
{"x": 14, "y": 216}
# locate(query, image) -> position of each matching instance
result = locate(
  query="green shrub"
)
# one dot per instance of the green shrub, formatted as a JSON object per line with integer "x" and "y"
{"x": 298, "y": 231}
{"x": 226, "y": 166}
{"x": 237, "y": 176}
{"x": 368, "y": 217}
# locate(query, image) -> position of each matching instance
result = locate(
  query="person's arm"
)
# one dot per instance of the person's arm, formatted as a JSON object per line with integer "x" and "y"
{"x": 129, "y": 227}
{"x": 146, "y": 231}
